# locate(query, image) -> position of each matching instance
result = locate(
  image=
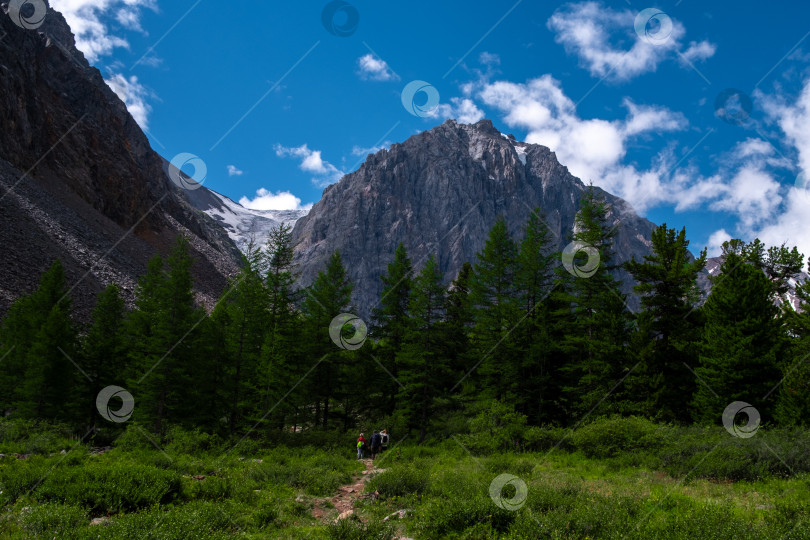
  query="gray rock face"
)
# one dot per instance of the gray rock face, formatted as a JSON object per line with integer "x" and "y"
{"x": 79, "y": 180}
{"x": 439, "y": 193}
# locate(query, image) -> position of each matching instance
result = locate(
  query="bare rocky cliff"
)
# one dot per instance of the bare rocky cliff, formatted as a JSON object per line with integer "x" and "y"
{"x": 79, "y": 180}
{"x": 440, "y": 192}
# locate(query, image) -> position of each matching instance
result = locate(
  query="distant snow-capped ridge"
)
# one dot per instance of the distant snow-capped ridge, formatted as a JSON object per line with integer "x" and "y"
{"x": 242, "y": 224}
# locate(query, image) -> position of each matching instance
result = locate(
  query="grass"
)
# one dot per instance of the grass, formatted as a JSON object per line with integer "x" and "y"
{"x": 610, "y": 479}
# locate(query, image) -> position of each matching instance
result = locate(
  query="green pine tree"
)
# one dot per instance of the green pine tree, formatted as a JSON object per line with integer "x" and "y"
{"x": 164, "y": 335}
{"x": 667, "y": 283}
{"x": 327, "y": 297}
{"x": 283, "y": 363}
{"x": 742, "y": 341}
{"x": 592, "y": 312}
{"x": 246, "y": 322}
{"x": 793, "y": 407}
{"x": 39, "y": 341}
{"x": 537, "y": 355}
{"x": 103, "y": 354}
{"x": 423, "y": 370}
{"x": 391, "y": 322}
{"x": 494, "y": 293}
{"x": 458, "y": 324}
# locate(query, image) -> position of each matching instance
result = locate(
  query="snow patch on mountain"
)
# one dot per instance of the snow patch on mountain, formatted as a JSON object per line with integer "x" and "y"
{"x": 521, "y": 153}
{"x": 243, "y": 224}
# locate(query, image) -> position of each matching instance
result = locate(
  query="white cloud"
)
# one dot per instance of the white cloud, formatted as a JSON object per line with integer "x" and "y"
{"x": 715, "y": 243}
{"x": 588, "y": 30}
{"x": 234, "y": 171}
{"x": 88, "y": 21}
{"x": 793, "y": 119}
{"x": 791, "y": 224}
{"x": 753, "y": 147}
{"x": 651, "y": 119}
{"x": 595, "y": 150}
{"x": 134, "y": 96}
{"x": 758, "y": 152}
{"x": 373, "y": 68}
{"x": 698, "y": 52}
{"x": 129, "y": 18}
{"x": 312, "y": 162}
{"x": 489, "y": 59}
{"x": 592, "y": 149}
{"x": 462, "y": 109}
{"x": 267, "y": 200}
{"x": 752, "y": 194}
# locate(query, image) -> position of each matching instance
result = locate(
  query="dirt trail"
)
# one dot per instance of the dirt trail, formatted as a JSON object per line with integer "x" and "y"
{"x": 344, "y": 500}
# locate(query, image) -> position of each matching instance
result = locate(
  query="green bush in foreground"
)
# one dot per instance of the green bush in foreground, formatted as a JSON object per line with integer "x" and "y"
{"x": 399, "y": 482}
{"x": 354, "y": 529}
{"x": 110, "y": 487}
{"x": 53, "y": 519}
{"x": 612, "y": 436}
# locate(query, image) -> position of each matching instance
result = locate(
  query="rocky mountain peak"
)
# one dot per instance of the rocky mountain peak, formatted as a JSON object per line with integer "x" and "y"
{"x": 439, "y": 192}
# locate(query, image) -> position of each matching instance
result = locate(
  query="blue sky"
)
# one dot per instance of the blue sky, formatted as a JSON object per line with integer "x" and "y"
{"x": 278, "y": 106}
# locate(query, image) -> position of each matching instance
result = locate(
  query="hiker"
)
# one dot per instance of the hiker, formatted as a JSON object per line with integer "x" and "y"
{"x": 361, "y": 443}
{"x": 375, "y": 444}
{"x": 384, "y": 440}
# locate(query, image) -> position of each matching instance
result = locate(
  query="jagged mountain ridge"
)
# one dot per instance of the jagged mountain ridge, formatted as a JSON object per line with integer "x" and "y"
{"x": 440, "y": 192}
{"x": 79, "y": 180}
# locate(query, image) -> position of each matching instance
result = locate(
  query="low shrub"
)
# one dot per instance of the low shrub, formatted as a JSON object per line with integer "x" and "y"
{"x": 320, "y": 481}
{"x": 266, "y": 515}
{"x": 133, "y": 439}
{"x": 210, "y": 488}
{"x": 608, "y": 437}
{"x": 196, "y": 520}
{"x": 400, "y": 481}
{"x": 31, "y": 437}
{"x": 182, "y": 441}
{"x": 539, "y": 439}
{"x": 495, "y": 427}
{"x": 110, "y": 487}
{"x": 509, "y": 463}
{"x": 52, "y": 520}
{"x": 440, "y": 517}
{"x": 22, "y": 476}
{"x": 354, "y": 529}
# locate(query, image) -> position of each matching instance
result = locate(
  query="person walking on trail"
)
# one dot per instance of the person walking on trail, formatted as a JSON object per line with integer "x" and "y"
{"x": 375, "y": 444}
{"x": 361, "y": 446}
{"x": 384, "y": 440}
